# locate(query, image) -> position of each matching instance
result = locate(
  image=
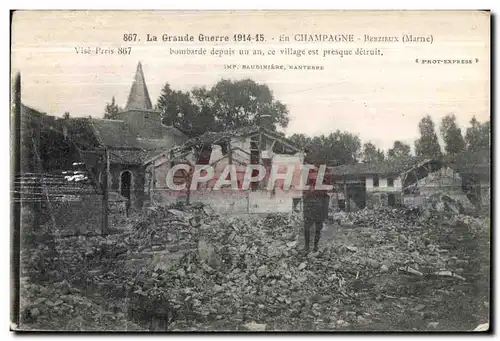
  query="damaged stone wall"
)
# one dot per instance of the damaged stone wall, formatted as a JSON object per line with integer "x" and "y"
{"x": 164, "y": 197}
{"x": 381, "y": 199}
{"x": 227, "y": 200}
{"x": 266, "y": 202}
{"x": 224, "y": 201}
{"x": 137, "y": 182}
{"x": 444, "y": 181}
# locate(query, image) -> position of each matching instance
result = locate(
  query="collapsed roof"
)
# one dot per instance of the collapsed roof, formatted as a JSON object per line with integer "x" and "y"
{"x": 211, "y": 138}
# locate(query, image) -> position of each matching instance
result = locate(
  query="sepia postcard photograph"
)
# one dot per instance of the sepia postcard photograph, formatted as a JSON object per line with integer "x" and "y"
{"x": 250, "y": 171}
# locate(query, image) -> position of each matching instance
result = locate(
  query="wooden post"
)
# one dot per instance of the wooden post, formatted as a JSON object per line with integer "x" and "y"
{"x": 337, "y": 208}
{"x": 229, "y": 153}
{"x": 188, "y": 184}
{"x": 152, "y": 183}
{"x": 346, "y": 198}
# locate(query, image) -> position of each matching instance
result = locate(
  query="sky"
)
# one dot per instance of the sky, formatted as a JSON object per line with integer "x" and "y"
{"x": 380, "y": 98}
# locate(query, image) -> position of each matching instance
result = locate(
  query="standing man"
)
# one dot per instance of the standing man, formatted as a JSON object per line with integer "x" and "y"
{"x": 315, "y": 209}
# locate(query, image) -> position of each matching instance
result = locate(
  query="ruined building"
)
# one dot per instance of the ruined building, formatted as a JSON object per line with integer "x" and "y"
{"x": 252, "y": 145}
{"x": 125, "y": 141}
{"x": 410, "y": 181}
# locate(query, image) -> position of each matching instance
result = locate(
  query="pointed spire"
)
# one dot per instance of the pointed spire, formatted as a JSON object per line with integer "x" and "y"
{"x": 139, "y": 95}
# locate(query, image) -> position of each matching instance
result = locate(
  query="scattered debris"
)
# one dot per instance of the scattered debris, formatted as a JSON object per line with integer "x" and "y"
{"x": 255, "y": 327}
{"x": 432, "y": 325}
{"x": 410, "y": 270}
{"x": 448, "y": 273}
{"x": 384, "y": 268}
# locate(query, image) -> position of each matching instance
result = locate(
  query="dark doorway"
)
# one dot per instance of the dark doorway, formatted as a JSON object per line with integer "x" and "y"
{"x": 342, "y": 204}
{"x": 357, "y": 192}
{"x": 296, "y": 203}
{"x": 126, "y": 181}
{"x": 391, "y": 200}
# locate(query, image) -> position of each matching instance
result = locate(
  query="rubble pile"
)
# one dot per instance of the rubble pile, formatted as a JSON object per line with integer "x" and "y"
{"x": 244, "y": 271}
{"x": 73, "y": 257}
{"x": 63, "y": 307}
{"x": 456, "y": 245}
{"x": 385, "y": 218}
{"x": 171, "y": 224}
{"x": 251, "y": 270}
{"x": 442, "y": 203}
{"x": 478, "y": 226}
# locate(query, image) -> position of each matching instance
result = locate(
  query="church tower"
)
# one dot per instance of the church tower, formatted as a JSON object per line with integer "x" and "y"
{"x": 139, "y": 114}
{"x": 138, "y": 98}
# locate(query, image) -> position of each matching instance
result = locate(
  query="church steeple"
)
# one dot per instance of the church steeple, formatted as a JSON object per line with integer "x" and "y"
{"x": 139, "y": 95}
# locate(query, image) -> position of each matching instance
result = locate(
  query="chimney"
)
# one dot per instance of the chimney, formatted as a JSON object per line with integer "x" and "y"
{"x": 265, "y": 121}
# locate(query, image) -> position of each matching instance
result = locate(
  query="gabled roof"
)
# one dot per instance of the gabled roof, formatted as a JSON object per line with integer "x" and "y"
{"x": 30, "y": 112}
{"x": 138, "y": 98}
{"x": 124, "y": 146}
{"x": 388, "y": 167}
{"x": 210, "y": 138}
{"x": 114, "y": 133}
{"x": 477, "y": 162}
{"x": 164, "y": 143}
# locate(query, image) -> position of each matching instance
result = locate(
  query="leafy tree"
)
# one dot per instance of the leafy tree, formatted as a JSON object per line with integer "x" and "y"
{"x": 178, "y": 109}
{"x": 427, "y": 145}
{"x": 302, "y": 140}
{"x": 452, "y": 135}
{"x": 399, "y": 150}
{"x": 227, "y": 105}
{"x": 371, "y": 154}
{"x": 111, "y": 109}
{"x": 236, "y": 104}
{"x": 477, "y": 136}
{"x": 66, "y": 115}
{"x": 335, "y": 149}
